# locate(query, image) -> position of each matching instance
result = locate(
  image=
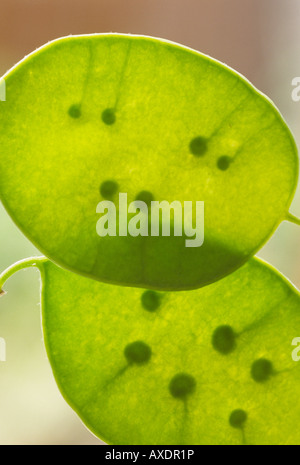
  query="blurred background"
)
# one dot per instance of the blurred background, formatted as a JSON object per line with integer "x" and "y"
{"x": 258, "y": 38}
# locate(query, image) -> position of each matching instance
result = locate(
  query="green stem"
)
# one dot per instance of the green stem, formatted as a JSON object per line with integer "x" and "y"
{"x": 293, "y": 219}
{"x": 27, "y": 263}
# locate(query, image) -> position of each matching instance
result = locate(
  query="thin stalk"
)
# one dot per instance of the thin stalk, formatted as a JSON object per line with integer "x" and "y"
{"x": 21, "y": 265}
{"x": 293, "y": 219}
